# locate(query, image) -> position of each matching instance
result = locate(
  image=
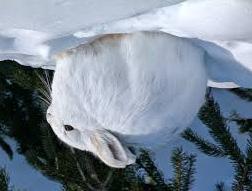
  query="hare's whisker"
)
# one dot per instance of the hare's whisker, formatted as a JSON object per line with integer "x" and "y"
{"x": 48, "y": 81}
{"x": 43, "y": 81}
{"x": 45, "y": 94}
{"x": 45, "y": 89}
{"x": 44, "y": 100}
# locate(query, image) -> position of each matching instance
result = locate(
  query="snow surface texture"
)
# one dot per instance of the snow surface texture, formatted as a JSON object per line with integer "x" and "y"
{"x": 223, "y": 28}
{"x": 22, "y": 175}
{"x": 33, "y": 30}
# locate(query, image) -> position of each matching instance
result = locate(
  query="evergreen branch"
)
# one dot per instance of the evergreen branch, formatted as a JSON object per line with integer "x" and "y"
{"x": 249, "y": 152}
{"x": 184, "y": 169}
{"x": 220, "y": 186}
{"x": 4, "y": 180}
{"x": 247, "y": 171}
{"x": 202, "y": 144}
{"x": 6, "y": 147}
{"x": 81, "y": 171}
{"x": 245, "y": 125}
{"x": 144, "y": 161}
{"x": 48, "y": 143}
{"x": 240, "y": 179}
{"x": 189, "y": 178}
{"x": 243, "y": 93}
{"x": 210, "y": 115}
{"x": 177, "y": 160}
{"x": 89, "y": 167}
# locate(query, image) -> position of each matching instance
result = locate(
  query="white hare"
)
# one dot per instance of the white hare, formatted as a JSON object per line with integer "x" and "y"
{"x": 125, "y": 89}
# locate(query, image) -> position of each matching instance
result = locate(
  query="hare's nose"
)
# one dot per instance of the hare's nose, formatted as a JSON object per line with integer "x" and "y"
{"x": 49, "y": 113}
{"x": 48, "y": 116}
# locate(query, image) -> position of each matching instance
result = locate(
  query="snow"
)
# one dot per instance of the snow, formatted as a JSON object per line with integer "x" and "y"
{"x": 60, "y": 17}
{"x": 182, "y": 19}
{"x": 223, "y": 85}
{"x": 32, "y": 37}
{"x": 27, "y": 27}
{"x": 228, "y": 49}
{"x": 22, "y": 175}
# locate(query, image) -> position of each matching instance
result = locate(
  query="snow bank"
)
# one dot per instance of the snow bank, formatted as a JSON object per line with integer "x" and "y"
{"x": 22, "y": 175}
{"x": 34, "y": 27}
{"x": 32, "y": 31}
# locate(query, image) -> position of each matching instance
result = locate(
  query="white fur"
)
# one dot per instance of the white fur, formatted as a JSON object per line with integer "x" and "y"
{"x": 142, "y": 87}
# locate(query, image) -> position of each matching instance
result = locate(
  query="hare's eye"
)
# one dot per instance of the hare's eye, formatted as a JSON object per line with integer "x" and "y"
{"x": 68, "y": 127}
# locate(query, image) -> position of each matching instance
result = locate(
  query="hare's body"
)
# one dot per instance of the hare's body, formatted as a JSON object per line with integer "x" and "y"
{"x": 143, "y": 87}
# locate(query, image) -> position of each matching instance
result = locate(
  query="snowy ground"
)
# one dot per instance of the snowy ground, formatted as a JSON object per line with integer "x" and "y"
{"x": 22, "y": 175}
{"x": 31, "y": 37}
{"x": 32, "y": 30}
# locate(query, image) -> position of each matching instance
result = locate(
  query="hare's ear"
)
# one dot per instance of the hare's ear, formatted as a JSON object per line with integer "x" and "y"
{"x": 110, "y": 150}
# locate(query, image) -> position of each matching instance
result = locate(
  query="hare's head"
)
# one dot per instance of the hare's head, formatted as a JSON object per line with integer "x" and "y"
{"x": 72, "y": 119}
{"x": 100, "y": 142}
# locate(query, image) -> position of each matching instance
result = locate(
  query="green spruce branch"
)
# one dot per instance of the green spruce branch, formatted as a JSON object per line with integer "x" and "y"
{"x": 224, "y": 145}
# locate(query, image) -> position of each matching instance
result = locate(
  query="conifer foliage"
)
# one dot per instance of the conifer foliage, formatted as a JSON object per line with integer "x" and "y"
{"x": 184, "y": 169}
{"x": 243, "y": 93}
{"x": 183, "y": 165}
{"x": 245, "y": 124}
{"x": 220, "y": 186}
{"x": 224, "y": 145}
{"x": 4, "y": 180}
{"x": 5, "y": 146}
